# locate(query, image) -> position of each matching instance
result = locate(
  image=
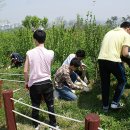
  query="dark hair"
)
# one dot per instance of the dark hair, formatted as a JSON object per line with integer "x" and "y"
{"x": 125, "y": 25}
{"x": 80, "y": 53}
{"x": 39, "y": 35}
{"x": 75, "y": 62}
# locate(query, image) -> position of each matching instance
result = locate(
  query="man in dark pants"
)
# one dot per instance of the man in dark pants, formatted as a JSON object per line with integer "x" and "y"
{"x": 38, "y": 63}
{"x": 115, "y": 43}
{"x": 37, "y": 92}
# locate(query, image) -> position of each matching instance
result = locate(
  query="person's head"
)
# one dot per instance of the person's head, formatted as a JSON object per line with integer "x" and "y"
{"x": 126, "y": 26}
{"x": 39, "y": 36}
{"x": 80, "y": 54}
{"x": 75, "y": 64}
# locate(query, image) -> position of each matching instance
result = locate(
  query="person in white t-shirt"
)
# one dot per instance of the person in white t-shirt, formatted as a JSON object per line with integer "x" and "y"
{"x": 38, "y": 81}
{"x": 80, "y": 54}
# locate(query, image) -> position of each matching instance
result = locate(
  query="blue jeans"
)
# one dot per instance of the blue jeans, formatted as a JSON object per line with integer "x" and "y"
{"x": 73, "y": 76}
{"x": 66, "y": 93}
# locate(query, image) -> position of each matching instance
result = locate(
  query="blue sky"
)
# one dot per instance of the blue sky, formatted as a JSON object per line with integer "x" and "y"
{"x": 16, "y": 10}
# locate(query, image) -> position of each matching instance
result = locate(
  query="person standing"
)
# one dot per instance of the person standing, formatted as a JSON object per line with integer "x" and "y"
{"x": 115, "y": 43}
{"x": 38, "y": 63}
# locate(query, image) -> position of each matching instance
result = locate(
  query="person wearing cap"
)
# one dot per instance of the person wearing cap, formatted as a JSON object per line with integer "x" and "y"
{"x": 37, "y": 74}
{"x": 115, "y": 43}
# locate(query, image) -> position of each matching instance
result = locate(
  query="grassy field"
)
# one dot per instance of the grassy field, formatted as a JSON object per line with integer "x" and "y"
{"x": 83, "y": 34}
{"x": 87, "y": 103}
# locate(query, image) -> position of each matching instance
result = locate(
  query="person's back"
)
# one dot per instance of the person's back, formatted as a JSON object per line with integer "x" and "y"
{"x": 112, "y": 44}
{"x": 68, "y": 59}
{"x": 40, "y": 64}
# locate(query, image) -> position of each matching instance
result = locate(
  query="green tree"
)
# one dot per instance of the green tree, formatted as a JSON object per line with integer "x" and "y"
{"x": 27, "y": 22}
{"x": 31, "y": 22}
{"x": 35, "y": 22}
{"x": 44, "y": 22}
{"x": 127, "y": 18}
{"x": 112, "y": 22}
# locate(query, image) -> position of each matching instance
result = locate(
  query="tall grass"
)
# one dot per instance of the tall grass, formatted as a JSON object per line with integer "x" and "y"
{"x": 83, "y": 34}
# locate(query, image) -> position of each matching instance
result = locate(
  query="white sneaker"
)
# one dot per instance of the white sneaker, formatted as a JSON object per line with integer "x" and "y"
{"x": 38, "y": 127}
{"x": 117, "y": 105}
{"x": 57, "y": 128}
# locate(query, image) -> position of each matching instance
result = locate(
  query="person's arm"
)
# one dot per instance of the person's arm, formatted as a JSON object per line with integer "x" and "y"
{"x": 70, "y": 83}
{"x": 82, "y": 82}
{"x": 125, "y": 51}
{"x": 26, "y": 68}
{"x": 68, "y": 59}
{"x": 53, "y": 58}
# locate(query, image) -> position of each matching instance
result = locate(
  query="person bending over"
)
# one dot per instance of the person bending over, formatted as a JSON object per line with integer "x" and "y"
{"x": 115, "y": 44}
{"x": 64, "y": 79}
{"x": 82, "y": 72}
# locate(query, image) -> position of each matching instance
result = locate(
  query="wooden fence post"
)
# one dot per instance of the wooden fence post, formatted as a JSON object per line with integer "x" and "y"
{"x": 92, "y": 121}
{"x": 9, "y": 106}
{"x": 1, "y": 82}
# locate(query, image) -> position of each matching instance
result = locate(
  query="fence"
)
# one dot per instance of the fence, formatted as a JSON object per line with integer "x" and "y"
{"x": 92, "y": 120}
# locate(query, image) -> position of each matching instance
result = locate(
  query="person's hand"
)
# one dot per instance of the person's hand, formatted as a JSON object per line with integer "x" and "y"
{"x": 79, "y": 87}
{"x": 86, "y": 89}
{"x": 26, "y": 86}
{"x": 84, "y": 84}
{"x": 83, "y": 66}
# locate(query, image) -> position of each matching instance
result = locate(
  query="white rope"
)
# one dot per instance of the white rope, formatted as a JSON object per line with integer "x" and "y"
{"x": 10, "y": 74}
{"x": 34, "y": 120}
{"x": 100, "y": 128}
{"x": 46, "y": 111}
{"x": 18, "y": 100}
{"x": 16, "y": 90}
{"x": 13, "y": 80}
{"x": 21, "y": 98}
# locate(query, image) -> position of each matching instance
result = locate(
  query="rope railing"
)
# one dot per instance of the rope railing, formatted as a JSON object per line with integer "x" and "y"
{"x": 15, "y": 101}
{"x": 11, "y": 74}
{"x": 19, "y": 100}
{"x": 46, "y": 111}
{"x": 34, "y": 120}
{"x": 89, "y": 126}
{"x": 16, "y": 90}
{"x": 13, "y": 80}
{"x": 27, "y": 94}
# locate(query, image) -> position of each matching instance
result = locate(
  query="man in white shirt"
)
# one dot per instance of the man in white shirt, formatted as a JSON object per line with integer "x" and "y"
{"x": 80, "y": 54}
{"x": 38, "y": 81}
